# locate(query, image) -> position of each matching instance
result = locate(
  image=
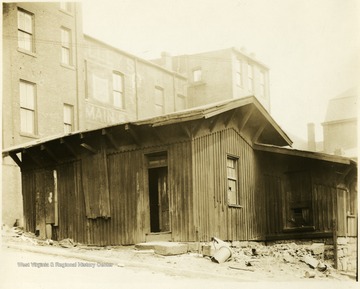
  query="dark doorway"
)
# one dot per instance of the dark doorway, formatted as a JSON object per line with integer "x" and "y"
{"x": 159, "y": 200}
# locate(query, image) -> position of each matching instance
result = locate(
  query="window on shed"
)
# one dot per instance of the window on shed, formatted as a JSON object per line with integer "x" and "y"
{"x": 299, "y": 201}
{"x": 232, "y": 181}
{"x": 25, "y": 30}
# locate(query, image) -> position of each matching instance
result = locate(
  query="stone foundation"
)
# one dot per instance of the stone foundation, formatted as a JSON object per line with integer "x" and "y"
{"x": 347, "y": 254}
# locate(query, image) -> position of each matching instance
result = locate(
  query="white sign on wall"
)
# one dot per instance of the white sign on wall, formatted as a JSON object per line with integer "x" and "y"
{"x": 103, "y": 115}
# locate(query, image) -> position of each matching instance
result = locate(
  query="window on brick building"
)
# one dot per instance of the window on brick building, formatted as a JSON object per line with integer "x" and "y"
{"x": 68, "y": 118}
{"x": 197, "y": 75}
{"x": 66, "y": 6}
{"x": 118, "y": 90}
{"x": 180, "y": 102}
{"x": 159, "y": 100}
{"x": 27, "y": 107}
{"x": 238, "y": 75}
{"x": 262, "y": 84}
{"x": 66, "y": 46}
{"x": 25, "y": 30}
{"x": 250, "y": 78}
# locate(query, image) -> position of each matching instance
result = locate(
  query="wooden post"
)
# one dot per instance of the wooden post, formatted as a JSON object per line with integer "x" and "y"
{"x": 334, "y": 227}
{"x": 56, "y": 213}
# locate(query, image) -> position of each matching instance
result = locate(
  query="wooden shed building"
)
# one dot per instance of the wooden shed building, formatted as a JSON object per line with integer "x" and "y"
{"x": 219, "y": 170}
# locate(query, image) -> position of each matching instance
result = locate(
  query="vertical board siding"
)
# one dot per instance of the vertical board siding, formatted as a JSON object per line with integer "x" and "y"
{"x": 95, "y": 184}
{"x": 127, "y": 177}
{"x": 213, "y": 216}
{"x": 324, "y": 207}
{"x": 129, "y": 218}
{"x": 318, "y": 189}
{"x": 341, "y": 213}
{"x": 29, "y": 200}
{"x": 180, "y": 192}
{"x": 273, "y": 195}
{"x": 71, "y": 202}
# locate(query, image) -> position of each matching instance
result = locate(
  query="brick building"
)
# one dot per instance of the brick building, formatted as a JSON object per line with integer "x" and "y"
{"x": 340, "y": 125}
{"x": 57, "y": 80}
{"x": 221, "y": 75}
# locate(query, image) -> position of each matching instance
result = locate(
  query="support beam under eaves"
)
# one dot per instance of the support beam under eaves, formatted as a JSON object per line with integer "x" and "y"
{"x": 133, "y": 134}
{"x": 110, "y": 138}
{"x": 16, "y": 159}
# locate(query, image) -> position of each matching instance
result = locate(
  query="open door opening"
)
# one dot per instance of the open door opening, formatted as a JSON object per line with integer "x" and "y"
{"x": 159, "y": 200}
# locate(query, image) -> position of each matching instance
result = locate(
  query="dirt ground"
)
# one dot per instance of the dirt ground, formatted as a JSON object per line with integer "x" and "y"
{"x": 250, "y": 261}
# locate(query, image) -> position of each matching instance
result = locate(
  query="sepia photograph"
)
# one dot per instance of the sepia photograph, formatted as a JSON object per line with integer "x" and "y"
{"x": 173, "y": 143}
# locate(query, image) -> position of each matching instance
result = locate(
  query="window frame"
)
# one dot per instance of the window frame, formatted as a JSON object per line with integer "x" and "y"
{"x": 22, "y": 30}
{"x": 180, "y": 98}
{"x": 66, "y": 46}
{"x": 233, "y": 178}
{"x": 66, "y": 7}
{"x": 156, "y": 104}
{"x": 66, "y": 123}
{"x": 297, "y": 206}
{"x": 239, "y": 73}
{"x": 26, "y": 109}
{"x": 250, "y": 73}
{"x": 262, "y": 84}
{"x": 197, "y": 77}
{"x": 119, "y": 91}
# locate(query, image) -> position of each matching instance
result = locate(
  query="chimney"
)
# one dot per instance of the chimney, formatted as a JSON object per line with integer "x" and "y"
{"x": 166, "y": 60}
{"x": 311, "y": 137}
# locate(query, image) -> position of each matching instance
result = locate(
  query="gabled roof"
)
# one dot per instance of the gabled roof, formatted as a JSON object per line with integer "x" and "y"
{"x": 273, "y": 132}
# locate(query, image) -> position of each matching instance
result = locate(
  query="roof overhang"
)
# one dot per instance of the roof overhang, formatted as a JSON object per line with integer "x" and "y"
{"x": 211, "y": 110}
{"x": 267, "y": 123}
{"x": 304, "y": 154}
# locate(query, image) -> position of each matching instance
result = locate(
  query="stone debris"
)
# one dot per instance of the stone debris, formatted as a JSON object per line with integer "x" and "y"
{"x": 309, "y": 274}
{"x": 288, "y": 258}
{"x": 163, "y": 248}
{"x": 67, "y": 243}
{"x": 318, "y": 248}
{"x": 311, "y": 261}
{"x": 322, "y": 267}
{"x": 170, "y": 249}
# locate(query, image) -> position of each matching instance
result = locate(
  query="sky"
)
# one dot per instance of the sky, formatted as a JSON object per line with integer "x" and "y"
{"x": 311, "y": 47}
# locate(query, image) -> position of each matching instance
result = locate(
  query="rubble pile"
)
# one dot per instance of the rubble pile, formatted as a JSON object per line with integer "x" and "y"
{"x": 309, "y": 258}
{"x": 18, "y": 234}
{"x": 276, "y": 260}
